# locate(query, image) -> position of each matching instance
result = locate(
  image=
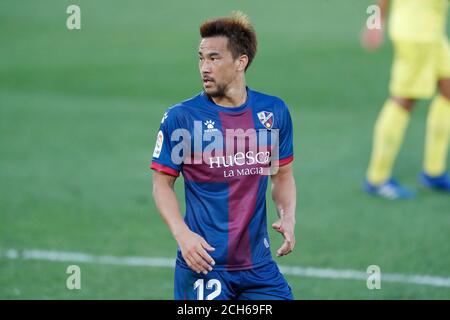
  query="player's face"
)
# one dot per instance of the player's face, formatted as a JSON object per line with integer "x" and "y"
{"x": 217, "y": 66}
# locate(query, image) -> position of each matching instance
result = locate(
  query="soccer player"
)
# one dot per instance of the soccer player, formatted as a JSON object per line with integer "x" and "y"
{"x": 421, "y": 63}
{"x": 225, "y": 142}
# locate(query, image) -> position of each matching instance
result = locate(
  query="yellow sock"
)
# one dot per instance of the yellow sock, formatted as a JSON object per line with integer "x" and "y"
{"x": 387, "y": 139}
{"x": 437, "y": 136}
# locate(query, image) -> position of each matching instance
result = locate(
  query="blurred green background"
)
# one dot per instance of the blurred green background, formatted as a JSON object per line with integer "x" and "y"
{"x": 79, "y": 112}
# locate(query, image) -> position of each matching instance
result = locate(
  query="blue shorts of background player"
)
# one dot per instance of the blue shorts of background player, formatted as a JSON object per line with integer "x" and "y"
{"x": 260, "y": 283}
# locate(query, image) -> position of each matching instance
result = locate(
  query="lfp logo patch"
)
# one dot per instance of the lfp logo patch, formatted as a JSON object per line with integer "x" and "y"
{"x": 159, "y": 144}
{"x": 266, "y": 118}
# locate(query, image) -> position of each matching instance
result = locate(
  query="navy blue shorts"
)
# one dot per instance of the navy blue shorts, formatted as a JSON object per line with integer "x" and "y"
{"x": 261, "y": 283}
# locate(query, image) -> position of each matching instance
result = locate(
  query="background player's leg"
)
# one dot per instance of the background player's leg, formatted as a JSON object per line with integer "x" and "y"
{"x": 387, "y": 140}
{"x": 388, "y": 137}
{"x": 413, "y": 76}
{"x": 437, "y": 139}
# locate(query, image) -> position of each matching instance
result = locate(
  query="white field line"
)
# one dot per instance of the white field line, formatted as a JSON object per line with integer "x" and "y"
{"x": 63, "y": 256}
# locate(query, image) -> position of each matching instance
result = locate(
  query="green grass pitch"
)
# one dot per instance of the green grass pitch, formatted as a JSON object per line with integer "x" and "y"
{"x": 79, "y": 112}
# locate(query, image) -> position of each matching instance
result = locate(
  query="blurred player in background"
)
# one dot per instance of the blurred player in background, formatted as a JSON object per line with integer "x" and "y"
{"x": 224, "y": 250}
{"x": 421, "y": 63}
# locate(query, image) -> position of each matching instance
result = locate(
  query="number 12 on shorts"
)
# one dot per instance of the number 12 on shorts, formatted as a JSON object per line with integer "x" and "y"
{"x": 211, "y": 284}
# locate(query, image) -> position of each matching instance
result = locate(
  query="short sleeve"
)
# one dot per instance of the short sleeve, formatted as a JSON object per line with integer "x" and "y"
{"x": 163, "y": 159}
{"x": 286, "y": 140}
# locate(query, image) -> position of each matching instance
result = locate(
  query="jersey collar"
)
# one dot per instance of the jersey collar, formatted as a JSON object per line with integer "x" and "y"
{"x": 242, "y": 107}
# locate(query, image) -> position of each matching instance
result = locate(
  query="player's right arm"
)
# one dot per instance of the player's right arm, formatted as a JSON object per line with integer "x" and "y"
{"x": 372, "y": 39}
{"x": 167, "y": 166}
{"x": 194, "y": 248}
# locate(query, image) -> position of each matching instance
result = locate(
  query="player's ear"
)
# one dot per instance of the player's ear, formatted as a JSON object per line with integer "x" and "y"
{"x": 242, "y": 62}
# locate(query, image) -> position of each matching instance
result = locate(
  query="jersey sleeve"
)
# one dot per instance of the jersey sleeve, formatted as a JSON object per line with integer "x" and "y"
{"x": 163, "y": 160}
{"x": 286, "y": 140}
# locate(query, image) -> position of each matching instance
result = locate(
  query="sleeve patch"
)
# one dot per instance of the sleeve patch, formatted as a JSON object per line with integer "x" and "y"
{"x": 159, "y": 144}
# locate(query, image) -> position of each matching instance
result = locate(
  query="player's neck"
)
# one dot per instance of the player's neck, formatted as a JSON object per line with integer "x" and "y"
{"x": 234, "y": 97}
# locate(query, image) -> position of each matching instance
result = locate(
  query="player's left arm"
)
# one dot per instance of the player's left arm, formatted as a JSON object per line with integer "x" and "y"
{"x": 284, "y": 194}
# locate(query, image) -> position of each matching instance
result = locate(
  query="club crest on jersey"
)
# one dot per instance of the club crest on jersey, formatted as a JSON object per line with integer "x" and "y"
{"x": 266, "y": 118}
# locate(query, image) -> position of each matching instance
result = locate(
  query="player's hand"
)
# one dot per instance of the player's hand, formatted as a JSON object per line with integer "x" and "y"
{"x": 194, "y": 251}
{"x": 372, "y": 39}
{"x": 286, "y": 227}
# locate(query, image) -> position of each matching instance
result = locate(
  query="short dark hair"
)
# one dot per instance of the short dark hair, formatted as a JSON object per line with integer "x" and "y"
{"x": 239, "y": 31}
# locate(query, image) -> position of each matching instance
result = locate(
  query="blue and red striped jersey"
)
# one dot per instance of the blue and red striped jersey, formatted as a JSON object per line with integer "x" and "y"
{"x": 225, "y": 156}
